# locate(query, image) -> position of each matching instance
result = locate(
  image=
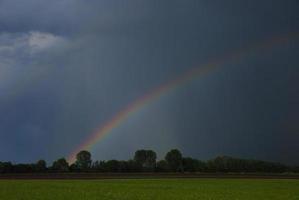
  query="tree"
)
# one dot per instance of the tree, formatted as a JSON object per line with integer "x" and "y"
{"x": 193, "y": 165}
{"x": 140, "y": 157}
{"x": 295, "y": 169}
{"x": 123, "y": 166}
{"x": 162, "y": 166}
{"x": 6, "y": 167}
{"x": 73, "y": 168}
{"x": 83, "y": 161}
{"x": 146, "y": 159}
{"x": 99, "y": 166}
{"x": 174, "y": 160}
{"x": 23, "y": 168}
{"x": 60, "y": 165}
{"x": 112, "y": 166}
{"x": 133, "y": 166}
{"x": 41, "y": 166}
{"x": 150, "y": 163}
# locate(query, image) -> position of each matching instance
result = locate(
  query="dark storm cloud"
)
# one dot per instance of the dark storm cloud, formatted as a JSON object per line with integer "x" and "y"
{"x": 67, "y": 16}
{"x": 67, "y": 66}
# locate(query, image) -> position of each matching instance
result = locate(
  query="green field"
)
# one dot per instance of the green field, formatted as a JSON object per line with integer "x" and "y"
{"x": 153, "y": 189}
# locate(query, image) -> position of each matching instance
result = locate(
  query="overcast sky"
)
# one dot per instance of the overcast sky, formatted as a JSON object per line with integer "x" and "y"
{"x": 67, "y": 66}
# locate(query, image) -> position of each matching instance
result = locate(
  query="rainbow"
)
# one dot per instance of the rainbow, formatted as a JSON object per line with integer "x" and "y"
{"x": 171, "y": 85}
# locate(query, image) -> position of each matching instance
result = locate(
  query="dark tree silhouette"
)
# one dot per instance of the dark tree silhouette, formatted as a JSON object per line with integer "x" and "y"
{"x": 146, "y": 159}
{"x": 140, "y": 157}
{"x": 133, "y": 166}
{"x": 60, "y": 165}
{"x": 162, "y": 166}
{"x": 193, "y": 165}
{"x": 174, "y": 160}
{"x": 83, "y": 160}
{"x": 112, "y": 166}
{"x": 6, "y": 167}
{"x": 40, "y": 166}
{"x": 150, "y": 163}
{"x": 73, "y": 168}
{"x": 24, "y": 168}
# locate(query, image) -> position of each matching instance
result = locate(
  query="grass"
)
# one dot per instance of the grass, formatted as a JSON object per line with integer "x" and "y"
{"x": 145, "y": 189}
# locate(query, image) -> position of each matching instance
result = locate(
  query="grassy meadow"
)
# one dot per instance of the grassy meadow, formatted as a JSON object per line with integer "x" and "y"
{"x": 149, "y": 189}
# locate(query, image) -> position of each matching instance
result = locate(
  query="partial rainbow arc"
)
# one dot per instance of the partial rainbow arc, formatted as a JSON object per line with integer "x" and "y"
{"x": 169, "y": 86}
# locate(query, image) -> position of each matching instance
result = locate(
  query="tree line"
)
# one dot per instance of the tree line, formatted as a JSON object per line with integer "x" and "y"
{"x": 146, "y": 161}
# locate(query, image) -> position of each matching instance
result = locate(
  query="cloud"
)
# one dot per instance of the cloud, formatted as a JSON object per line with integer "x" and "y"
{"x": 29, "y": 44}
{"x": 68, "y": 17}
{"x": 23, "y": 57}
{"x": 47, "y": 16}
{"x": 38, "y": 42}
